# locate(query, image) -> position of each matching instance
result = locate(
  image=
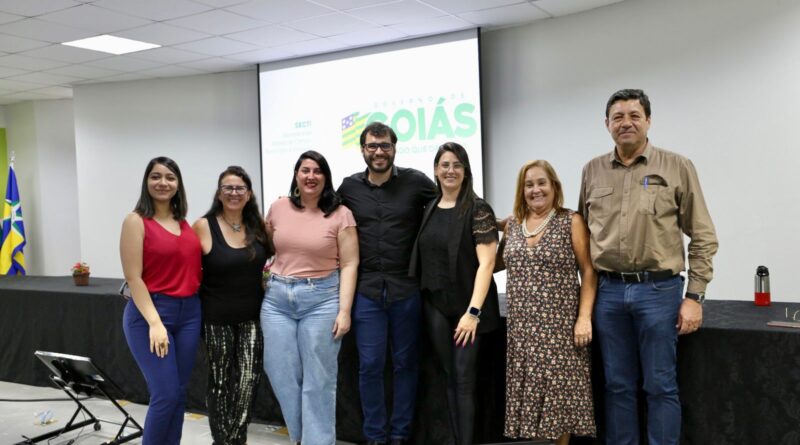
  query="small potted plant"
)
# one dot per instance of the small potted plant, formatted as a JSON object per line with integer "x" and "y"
{"x": 80, "y": 274}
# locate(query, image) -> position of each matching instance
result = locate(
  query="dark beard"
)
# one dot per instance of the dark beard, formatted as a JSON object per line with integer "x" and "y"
{"x": 389, "y": 165}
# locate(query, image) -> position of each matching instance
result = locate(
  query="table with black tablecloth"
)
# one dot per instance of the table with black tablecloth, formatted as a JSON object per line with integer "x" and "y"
{"x": 739, "y": 378}
{"x": 52, "y": 314}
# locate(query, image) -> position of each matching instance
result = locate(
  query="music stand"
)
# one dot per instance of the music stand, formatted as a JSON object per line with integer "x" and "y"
{"x": 76, "y": 375}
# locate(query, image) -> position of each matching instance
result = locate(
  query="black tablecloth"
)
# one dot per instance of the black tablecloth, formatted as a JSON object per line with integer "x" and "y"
{"x": 52, "y": 314}
{"x": 739, "y": 379}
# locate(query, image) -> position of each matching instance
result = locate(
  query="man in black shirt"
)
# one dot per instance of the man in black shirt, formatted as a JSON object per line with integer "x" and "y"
{"x": 387, "y": 202}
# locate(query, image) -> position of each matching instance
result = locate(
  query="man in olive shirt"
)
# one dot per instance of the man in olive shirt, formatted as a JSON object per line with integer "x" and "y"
{"x": 639, "y": 200}
{"x": 387, "y": 202}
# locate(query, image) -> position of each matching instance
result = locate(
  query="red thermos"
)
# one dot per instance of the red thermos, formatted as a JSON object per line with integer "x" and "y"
{"x": 762, "y": 296}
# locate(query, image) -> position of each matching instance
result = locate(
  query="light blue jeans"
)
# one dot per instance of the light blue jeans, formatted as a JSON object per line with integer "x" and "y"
{"x": 300, "y": 353}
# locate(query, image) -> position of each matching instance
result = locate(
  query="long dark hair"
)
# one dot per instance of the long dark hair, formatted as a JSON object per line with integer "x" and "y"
{"x": 329, "y": 200}
{"x": 466, "y": 195}
{"x": 145, "y": 207}
{"x": 251, "y": 215}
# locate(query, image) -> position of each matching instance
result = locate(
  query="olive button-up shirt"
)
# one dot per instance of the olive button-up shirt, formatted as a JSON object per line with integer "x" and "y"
{"x": 637, "y": 215}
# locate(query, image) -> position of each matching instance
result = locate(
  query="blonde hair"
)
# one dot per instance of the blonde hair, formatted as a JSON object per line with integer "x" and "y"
{"x": 520, "y": 206}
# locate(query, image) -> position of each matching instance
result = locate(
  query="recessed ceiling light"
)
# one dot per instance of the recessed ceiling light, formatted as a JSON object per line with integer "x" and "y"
{"x": 112, "y": 45}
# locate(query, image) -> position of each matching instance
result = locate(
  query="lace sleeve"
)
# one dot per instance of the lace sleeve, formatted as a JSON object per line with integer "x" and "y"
{"x": 484, "y": 224}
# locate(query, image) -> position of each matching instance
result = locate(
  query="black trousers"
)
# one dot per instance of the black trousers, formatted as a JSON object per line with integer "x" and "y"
{"x": 460, "y": 365}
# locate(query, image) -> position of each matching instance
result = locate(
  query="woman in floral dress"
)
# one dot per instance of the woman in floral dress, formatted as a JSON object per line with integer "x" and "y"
{"x": 548, "y": 386}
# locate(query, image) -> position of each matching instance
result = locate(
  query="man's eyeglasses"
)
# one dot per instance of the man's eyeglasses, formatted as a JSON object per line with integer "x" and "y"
{"x": 231, "y": 189}
{"x": 374, "y": 146}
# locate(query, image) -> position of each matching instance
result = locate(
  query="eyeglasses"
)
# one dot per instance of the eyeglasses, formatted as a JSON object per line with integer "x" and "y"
{"x": 455, "y": 166}
{"x": 231, "y": 189}
{"x": 374, "y": 146}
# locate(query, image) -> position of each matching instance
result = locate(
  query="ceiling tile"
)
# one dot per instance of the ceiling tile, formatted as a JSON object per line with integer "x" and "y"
{"x": 217, "y": 46}
{"x": 93, "y": 18}
{"x": 373, "y": 37}
{"x": 46, "y": 31}
{"x": 172, "y": 71}
{"x": 46, "y": 78}
{"x": 8, "y": 72}
{"x": 279, "y": 11}
{"x": 350, "y": 4}
{"x": 124, "y": 63}
{"x": 168, "y": 55}
{"x": 28, "y": 63}
{"x": 84, "y": 71}
{"x": 21, "y": 97}
{"x": 560, "y": 7}
{"x": 219, "y": 3}
{"x": 331, "y": 25}
{"x": 118, "y": 78}
{"x": 17, "y": 85}
{"x": 218, "y": 64}
{"x": 397, "y": 12}
{"x": 272, "y": 35}
{"x": 162, "y": 34}
{"x": 13, "y": 44}
{"x": 316, "y": 46}
{"x": 433, "y": 26}
{"x": 55, "y": 92}
{"x": 154, "y": 9}
{"x": 216, "y": 22}
{"x": 459, "y": 6}
{"x": 262, "y": 55}
{"x": 6, "y": 18}
{"x": 30, "y": 8}
{"x": 505, "y": 15}
{"x": 68, "y": 54}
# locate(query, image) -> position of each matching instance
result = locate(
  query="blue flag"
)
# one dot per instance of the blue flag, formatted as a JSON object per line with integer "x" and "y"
{"x": 12, "y": 260}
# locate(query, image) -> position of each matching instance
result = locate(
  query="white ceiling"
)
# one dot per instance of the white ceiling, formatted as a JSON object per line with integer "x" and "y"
{"x": 210, "y": 36}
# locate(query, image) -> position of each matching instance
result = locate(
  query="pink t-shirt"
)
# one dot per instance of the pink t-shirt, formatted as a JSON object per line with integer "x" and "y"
{"x": 306, "y": 243}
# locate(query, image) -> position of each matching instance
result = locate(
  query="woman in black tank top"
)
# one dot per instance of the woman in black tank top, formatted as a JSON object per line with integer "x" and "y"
{"x": 235, "y": 249}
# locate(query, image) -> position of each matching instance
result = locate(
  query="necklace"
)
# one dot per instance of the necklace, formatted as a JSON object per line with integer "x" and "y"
{"x": 237, "y": 227}
{"x": 539, "y": 229}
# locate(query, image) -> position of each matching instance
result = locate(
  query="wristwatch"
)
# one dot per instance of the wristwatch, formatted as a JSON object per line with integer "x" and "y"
{"x": 475, "y": 312}
{"x": 700, "y": 298}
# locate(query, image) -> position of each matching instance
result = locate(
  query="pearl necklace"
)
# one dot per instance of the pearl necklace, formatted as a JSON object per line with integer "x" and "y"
{"x": 237, "y": 227}
{"x": 539, "y": 229}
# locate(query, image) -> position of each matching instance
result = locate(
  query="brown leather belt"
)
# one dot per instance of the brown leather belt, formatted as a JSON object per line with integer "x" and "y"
{"x": 638, "y": 277}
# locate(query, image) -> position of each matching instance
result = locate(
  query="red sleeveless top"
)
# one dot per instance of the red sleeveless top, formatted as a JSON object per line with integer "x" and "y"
{"x": 171, "y": 263}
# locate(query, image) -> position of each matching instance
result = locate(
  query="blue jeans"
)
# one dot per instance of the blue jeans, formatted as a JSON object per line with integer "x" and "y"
{"x": 300, "y": 353}
{"x": 635, "y": 325}
{"x": 168, "y": 377}
{"x": 375, "y": 323}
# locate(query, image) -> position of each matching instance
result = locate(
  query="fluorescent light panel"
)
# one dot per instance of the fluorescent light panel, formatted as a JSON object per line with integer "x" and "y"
{"x": 111, "y": 44}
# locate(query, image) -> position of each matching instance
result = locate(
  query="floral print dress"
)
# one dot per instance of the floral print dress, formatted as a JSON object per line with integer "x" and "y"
{"x": 548, "y": 384}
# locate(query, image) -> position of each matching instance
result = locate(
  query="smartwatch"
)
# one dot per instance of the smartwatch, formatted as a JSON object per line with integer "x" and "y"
{"x": 700, "y": 298}
{"x": 475, "y": 312}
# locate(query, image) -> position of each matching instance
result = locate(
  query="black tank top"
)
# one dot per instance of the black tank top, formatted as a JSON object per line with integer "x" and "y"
{"x": 231, "y": 291}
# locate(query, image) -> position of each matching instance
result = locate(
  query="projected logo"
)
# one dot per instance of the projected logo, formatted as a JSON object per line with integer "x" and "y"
{"x": 352, "y": 126}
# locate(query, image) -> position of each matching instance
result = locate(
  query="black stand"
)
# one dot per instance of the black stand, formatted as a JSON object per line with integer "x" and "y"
{"x": 76, "y": 375}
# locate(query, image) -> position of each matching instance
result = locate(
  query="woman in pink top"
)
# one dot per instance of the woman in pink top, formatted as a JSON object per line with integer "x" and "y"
{"x": 306, "y": 309}
{"x": 161, "y": 261}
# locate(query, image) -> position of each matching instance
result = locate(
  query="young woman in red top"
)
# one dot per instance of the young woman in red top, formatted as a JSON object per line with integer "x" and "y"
{"x": 161, "y": 262}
